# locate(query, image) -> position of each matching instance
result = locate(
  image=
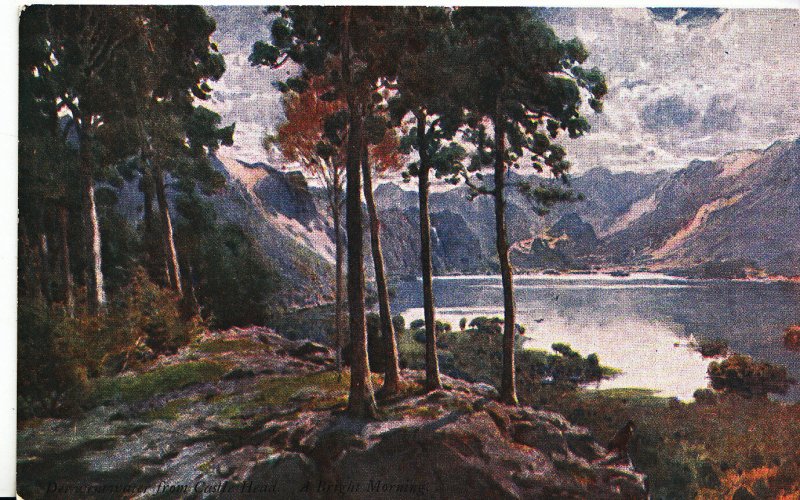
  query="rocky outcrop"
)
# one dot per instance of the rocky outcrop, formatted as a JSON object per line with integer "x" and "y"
{"x": 273, "y": 426}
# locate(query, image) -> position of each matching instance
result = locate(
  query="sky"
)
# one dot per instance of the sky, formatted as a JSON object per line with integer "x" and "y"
{"x": 683, "y": 85}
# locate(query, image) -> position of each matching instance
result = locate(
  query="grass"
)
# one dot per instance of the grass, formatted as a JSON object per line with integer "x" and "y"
{"x": 171, "y": 410}
{"x": 161, "y": 380}
{"x": 278, "y": 391}
{"x": 218, "y": 346}
{"x": 694, "y": 450}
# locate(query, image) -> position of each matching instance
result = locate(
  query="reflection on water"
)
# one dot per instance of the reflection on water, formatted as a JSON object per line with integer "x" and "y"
{"x": 632, "y": 323}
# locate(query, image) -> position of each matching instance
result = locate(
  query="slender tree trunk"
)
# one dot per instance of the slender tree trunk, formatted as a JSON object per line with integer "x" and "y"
{"x": 173, "y": 268}
{"x": 96, "y": 296}
{"x": 69, "y": 282}
{"x": 44, "y": 252}
{"x": 432, "y": 379}
{"x": 508, "y": 387}
{"x": 190, "y": 304}
{"x": 156, "y": 266}
{"x": 30, "y": 259}
{"x": 336, "y": 210}
{"x": 391, "y": 380}
{"x": 361, "y": 401}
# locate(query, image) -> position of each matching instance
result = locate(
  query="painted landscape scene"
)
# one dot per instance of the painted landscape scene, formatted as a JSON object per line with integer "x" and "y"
{"x": 408, "y": 252}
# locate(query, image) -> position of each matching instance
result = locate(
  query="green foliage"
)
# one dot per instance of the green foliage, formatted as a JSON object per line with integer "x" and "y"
{"x": 486, "y": 325}
{"x": 705, "y": 449}
{"x": 474, "y": 354}
{"x": 61, "y": 354}
{"x": 376, "y": 347}
{"x": 529, "y": 83}
{"x": 711, "y": 348}
{"x": 741, "y": 375}
{"x": 52, "y": 381}
{"x": 160, "y": 380}
{"x": 232, "y": 281}
{"x": 151, "y": 314}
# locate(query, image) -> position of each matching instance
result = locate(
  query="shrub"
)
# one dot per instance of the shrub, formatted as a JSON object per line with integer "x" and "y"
{"x": 705, "y": 397}
{"x": 441, "y": 326}
{"x": 491, "y": 326}
{"x": 59, "y": 354}
{"x": 151, "y": 315}
{"x": 52, "y": 381}
{"x": 741, "y": 375}
{"x": 486, "y": 325}
{"x": 712, "y": 348}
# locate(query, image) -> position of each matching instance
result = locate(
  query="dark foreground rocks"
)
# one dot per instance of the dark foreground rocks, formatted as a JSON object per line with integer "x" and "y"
{"x": 273, "y": 426}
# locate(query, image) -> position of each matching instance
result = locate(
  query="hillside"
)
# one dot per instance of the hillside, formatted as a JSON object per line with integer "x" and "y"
{"x": 738, "y": 212}
{"x": 249, "y": 414}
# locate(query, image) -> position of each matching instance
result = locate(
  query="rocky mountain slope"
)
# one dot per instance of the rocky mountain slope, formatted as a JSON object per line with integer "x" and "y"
{"x": 736, "y": 215}
{"x": 743, "y": 207}
{"x": 249, "y": 414}
{"x": 740, "y": 211}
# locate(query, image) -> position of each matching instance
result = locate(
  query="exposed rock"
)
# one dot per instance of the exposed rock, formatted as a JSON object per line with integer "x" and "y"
{"x": 285, "y": 434}
{"x": 314, "y": 352}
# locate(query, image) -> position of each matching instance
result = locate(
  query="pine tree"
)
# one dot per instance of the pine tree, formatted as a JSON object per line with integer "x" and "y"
{"x": 339, "y": 43}
{"x": 426, "y": 61}
{"x": 527, "y": 82}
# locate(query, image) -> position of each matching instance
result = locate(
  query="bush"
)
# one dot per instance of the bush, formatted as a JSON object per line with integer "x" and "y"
{"x": 59, "y": 354}
{"x": 491, "y": 326}
{"x": 376, "y": 347}
{"x": 441, "y": 326}
{"x": 484, "y": 324}
{"x": 151, "y": 315}
{"x": 712, "y": 348}
{"x": 52, "y": 381}
{"x": 741, "y": 375}
{"x": 705, "y": 397}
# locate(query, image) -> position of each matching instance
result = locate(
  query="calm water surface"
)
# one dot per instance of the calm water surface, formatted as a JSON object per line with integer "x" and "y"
{"x": 633, "y": 322}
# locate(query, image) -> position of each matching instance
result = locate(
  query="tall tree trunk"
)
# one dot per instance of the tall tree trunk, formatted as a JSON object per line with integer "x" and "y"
{"x": 173, "y": 268}
{"x": 69, "y": 282}
{"x": 361, "y": 401}
{"x": 28, "y": 256}
{"x": 432, "y": 379}
{"x": 190, "y": 305}
{"x": 44, "y": 252}
{"x": 391, "y": 380}
{"x": 96, "y": 295}
{"x": 336, "y": 210}
{"x": 508, "y": 387}
{"x": 156, "y": 266}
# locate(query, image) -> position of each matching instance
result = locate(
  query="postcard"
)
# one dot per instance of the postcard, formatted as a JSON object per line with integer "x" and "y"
{"x": 408, "y": 252}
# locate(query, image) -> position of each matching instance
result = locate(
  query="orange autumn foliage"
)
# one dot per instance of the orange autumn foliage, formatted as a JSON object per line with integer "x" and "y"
{"x": 304, "y": 126}
{"x": 303, "y": 129}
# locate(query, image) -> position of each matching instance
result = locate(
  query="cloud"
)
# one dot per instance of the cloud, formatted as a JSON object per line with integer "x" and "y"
{"x": 667, "y": 112}
{"x": 696, "y": 88}
{"x": 693, "y": 83}
{"x": 721, "y": 115}
{"x": 686, "y": 16}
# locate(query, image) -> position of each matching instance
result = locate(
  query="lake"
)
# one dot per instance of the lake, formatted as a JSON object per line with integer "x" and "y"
{"x": 633, "y": 323}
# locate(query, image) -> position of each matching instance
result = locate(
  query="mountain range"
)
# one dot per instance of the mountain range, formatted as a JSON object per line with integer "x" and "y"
{"x": 736, "y": 216}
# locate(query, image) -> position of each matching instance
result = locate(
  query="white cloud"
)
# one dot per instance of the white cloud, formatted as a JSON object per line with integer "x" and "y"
{"x": 740, "y": 69}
